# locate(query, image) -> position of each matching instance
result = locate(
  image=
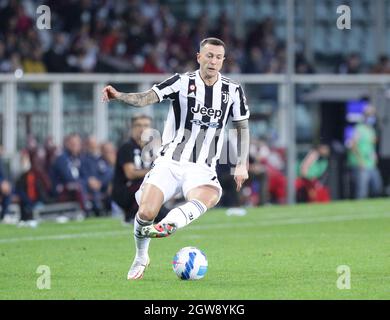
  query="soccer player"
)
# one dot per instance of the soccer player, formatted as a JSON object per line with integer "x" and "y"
{"x": 202, "y": 102}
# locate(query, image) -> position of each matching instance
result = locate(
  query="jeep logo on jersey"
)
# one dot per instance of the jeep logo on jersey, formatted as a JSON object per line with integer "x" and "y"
{"x": 216, "y": 114}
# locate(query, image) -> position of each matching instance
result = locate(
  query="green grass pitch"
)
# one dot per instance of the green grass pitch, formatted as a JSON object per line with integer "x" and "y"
{"x": 275, "y": 252}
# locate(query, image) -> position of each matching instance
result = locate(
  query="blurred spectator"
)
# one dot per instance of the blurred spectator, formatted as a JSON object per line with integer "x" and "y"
{"x": 267, "y": 165}
{"x": 302, "y": 66}
{"x": 151, "y": 64}
{"x": 34, "y": 186}
{"x": 351, "y": 65}
{"x": 255, "y": 62}
{"x": 106, "y": 171}
{"x": 5, "y": 65}
{"x": 66, "y": 175}
{"x": 51, "y": 152}
{"x": 130, "y": 169}
{"x": 310, "y": 184}
{"x": 55, "y": 57}
{"x": 23, "y": 21}
{"x": 382, "y": 66}
{"x": 258, "y": 184}
{"x": 96, "y": 174}
{"x": 362, "y": 157}
{"x": 5, "y": 193}
{"x": 33, "y": 62}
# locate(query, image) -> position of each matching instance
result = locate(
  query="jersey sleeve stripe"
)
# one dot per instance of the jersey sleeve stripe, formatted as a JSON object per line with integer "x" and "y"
{"x": 165, "y": 89}
{"x": 243, "y": 107}
{"x": 168, "y": 82}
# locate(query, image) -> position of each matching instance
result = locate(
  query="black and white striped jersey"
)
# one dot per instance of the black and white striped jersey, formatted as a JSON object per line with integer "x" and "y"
{"x": 194, "y": 129}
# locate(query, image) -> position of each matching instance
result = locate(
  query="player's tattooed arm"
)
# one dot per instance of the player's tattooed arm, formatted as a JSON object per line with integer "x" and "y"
{"x": 140, "y": 99}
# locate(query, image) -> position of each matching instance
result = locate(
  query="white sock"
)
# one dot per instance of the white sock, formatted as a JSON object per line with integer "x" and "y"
{"x": 186, "y": 213}
{"x": 141, "y": 242}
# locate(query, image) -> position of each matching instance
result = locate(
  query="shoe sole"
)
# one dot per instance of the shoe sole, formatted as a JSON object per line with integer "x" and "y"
{"x": 149, "y": 234}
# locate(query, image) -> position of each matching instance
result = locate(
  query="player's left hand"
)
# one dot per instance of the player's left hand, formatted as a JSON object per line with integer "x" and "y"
{"x": 240, "y": 175}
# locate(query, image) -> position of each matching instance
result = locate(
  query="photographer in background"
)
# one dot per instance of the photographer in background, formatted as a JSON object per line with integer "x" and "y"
{"x": 131, "y": 168}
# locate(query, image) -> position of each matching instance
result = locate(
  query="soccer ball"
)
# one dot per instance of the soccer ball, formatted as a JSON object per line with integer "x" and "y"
{"x": 190, "y": 264}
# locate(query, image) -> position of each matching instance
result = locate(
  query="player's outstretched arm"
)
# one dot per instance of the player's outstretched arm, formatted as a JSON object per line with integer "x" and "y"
{"x": 241, "y": 171}
{"x": 140, "y": 99}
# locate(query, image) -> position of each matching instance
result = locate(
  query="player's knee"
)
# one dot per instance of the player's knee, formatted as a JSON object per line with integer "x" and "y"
{"x": 212, "y": 201}
{"x": 146, "y": 212}
{"x": 209, "y": 196}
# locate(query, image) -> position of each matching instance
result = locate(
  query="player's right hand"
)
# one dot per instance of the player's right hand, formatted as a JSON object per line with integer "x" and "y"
{"x": 109, "y": 93}
{"x": 240, "y": 175}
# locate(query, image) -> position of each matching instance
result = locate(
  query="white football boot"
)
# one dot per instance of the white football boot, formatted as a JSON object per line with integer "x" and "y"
{"x": 137, "y": 269}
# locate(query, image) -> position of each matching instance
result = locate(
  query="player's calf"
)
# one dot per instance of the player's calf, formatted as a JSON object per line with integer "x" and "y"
{"x": 176, "y": 218}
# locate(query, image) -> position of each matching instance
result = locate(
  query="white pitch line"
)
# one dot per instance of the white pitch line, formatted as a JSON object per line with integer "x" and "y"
{"x": 291, "y": 221}
{"x": 295, "y": 221}
{"x": 68, "y": 236}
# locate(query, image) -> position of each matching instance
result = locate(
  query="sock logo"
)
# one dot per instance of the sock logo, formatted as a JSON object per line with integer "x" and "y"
{"x": 190, "y": 216}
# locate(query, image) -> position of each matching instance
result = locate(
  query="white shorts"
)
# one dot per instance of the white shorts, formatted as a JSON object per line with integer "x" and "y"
{"x": 173, "y": 177}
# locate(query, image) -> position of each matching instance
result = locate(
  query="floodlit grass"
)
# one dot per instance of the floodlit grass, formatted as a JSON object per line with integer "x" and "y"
{"x": 276, "y": 252}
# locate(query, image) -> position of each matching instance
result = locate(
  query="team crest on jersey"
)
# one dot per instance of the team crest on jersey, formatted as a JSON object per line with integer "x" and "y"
{"x": 192, "y": 87}
{"x": 225, "y": 96}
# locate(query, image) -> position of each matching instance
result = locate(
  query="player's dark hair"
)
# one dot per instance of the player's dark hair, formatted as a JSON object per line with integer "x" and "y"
{"x": 213, "y": 41}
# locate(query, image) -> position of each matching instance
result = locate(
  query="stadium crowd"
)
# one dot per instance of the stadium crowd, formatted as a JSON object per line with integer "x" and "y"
{"x": 81, "y": 171}
{"x": 140, "y": 37}
{"x": 86, "y": 172}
